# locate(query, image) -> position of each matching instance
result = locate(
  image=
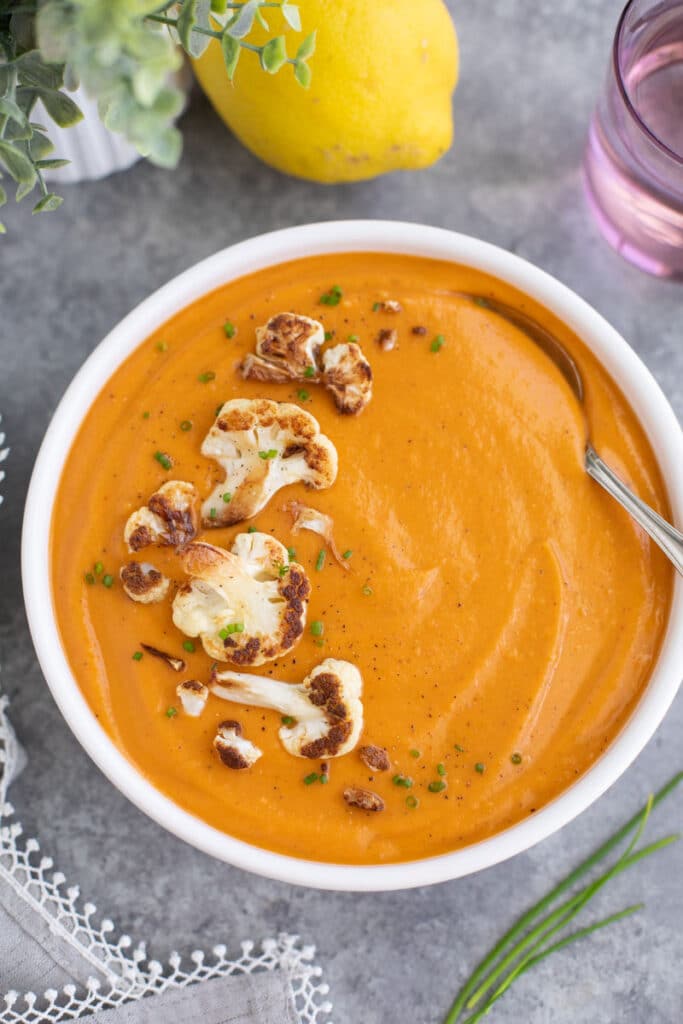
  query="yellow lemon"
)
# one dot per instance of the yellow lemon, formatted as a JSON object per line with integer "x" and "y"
{"x": 379, "y": 99}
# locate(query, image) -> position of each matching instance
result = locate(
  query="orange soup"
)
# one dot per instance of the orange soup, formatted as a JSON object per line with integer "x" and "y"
{"x": 503, "y": 611}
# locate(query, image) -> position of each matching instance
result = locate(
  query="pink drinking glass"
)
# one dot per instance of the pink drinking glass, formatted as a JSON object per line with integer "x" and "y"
{"x": 633, "y": 165}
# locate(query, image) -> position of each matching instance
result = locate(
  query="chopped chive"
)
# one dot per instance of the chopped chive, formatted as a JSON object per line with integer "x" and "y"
{"x": 329, "y": 335}
{"x": 319, "y": 643}
{"x": 171, "y": 712}
{"x": 288, "y": 720}
{"x": 137, "y": 656}
{"x": 437, "y": 786}
{"x": 402, "y": 780}
{"x": 516, "y": 758}
{"x": 412, "y": 801}
{"x": 162, "y": 346}
{"x": 227, "y": 497}
{"x": 252, "y": 529}
{"x": 292, "y": 553}
{"x": 89, "y": 578}
{"x": 309, "y": 371}
{"x": 163, "y": 459}
{"x": 108, "y": 580}
{"x": 230, "y": 329}
{"x": 270, "y": 454}
{"x": 317, "y": 628}
{"x": 352, "y": 337}
{"x": 479, "y": 300}
{"x": 376, "y": 306}
{"x": 145, "y": 415}
{"x": 207, "y": 376}
{"x": 332, "y": 297}
{"x": 186, "y": 425}
{"x": 456, "y": 746}
{"x": 232, "y": 627}
{"x": 303, "y": 395}
{"x": 212, "y": 513}
{"x": 320, "y": 560}
{"x": 347, "y": 554}
{"x": 188, "y": 646}
{"x": 480, "y": 767}
{"x": 438, "y": 343}
{"x": 414, "y": 753}
{"x": 441, "y": 769}
{"x": 99, "y": 568}
{"x": 367, "y": 590}
{"x": 309, "y": 779}
{"x": 324, "y": 778}
{"x": 282, "y": 571}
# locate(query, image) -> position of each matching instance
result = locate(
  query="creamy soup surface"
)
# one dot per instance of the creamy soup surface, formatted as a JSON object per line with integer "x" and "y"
{"x": 504, "y": 612}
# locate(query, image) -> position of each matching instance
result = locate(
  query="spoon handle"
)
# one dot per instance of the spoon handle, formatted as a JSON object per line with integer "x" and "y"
{"x": 664, "y": 534}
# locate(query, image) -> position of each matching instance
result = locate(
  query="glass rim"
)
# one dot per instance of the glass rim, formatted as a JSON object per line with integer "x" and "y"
{"x": 616, "y": 46}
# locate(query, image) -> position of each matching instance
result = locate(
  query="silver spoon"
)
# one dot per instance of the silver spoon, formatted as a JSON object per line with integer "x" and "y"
{"x": 669, "y": 539}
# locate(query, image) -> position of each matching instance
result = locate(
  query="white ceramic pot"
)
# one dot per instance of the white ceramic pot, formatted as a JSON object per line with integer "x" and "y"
{"x": 640, "y": 388}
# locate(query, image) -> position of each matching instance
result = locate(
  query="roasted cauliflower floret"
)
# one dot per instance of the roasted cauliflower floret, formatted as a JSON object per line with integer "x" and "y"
{"x": 287, "y": 349}
{"x": 347, "y": 374}
{"x": 247, "y": 605}
{"x": 193, "y": 696}
{"x": 143, "y": 583}
{"x": 306, "y": 518}
{"x": 326, "y": 708}
{"x": 234, "y": 749}
{"x": 169, "y": 519}
{"x": 263, "y": 446}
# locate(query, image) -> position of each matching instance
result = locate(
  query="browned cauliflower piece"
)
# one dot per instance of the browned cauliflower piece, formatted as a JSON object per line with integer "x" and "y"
{"x": 247, "y": 605}
{"x": 348, "y": 375}
{"x": 193, "y": 696}
{"x": 324, "y": 714}
{"x": 263, "y": 446}
{"x": 287, "y": 349}
{"x": 143, "y": 583}
{"x": 234, "y": 749}
{"x": 169, "y": 519}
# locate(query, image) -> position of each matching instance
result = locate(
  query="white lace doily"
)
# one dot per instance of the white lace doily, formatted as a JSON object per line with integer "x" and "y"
{"x": 129, "y": 973}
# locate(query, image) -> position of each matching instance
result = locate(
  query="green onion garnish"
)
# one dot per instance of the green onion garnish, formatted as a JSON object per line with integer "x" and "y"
{"x": 108, "y": 580}
{"x": 89, "y": 578}
{"x": 232, "y": 627}
{"x": 441, "y": 769}
{"x": 282, "y": 570}
{"x": 329, "y": 335}
{"x": 303, "y": 395}
{"x": 456, "y": 746}
{"x": 145, "y": 415}
{"x": 347, "y": 554}
{"x": 479, "y": 767}
{"x": 137, "y": 656}
{"x": 332, "y": 297}
{"x": 162, "y": 346}
{"x": 437, "y": 786}
{"x": 252, "y": 529}
{"x": 376, "y": 306}
{"x": 227, "y": 497}
{"x": 186, "y": 425}
{"x": 212, "y": 513}
{"x": 230, "y": 329}
{"x": 317, "y": 628}
{"x": 207, "y": 376}
{"x": 438, "y": 343}
{"x": 163, "y": 459}
{"x": 320, "y": 560}
{"x": 516, "y": 758}
{"x": 292, "y": 553}
{"x": 324, "y": 778}
{"x": 352, "y": 337}
{"x": 188, "y": 646}
{"x": 414, "y": 753}
{"x": 309, "y": 371}
{"x": 412, "y": 801}
{"x": 288, "y": 720}
{"x": 402, "y": 780}
{"x": 270, "y": 454}
{"x": 99, "y": 568}
{"x": 367, "y": 590}
{"x": 171, "y": 712}
{"x": 310, "y": 779}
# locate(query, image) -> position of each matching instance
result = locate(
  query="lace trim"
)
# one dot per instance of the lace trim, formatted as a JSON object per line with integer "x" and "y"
{"x": 128, "y": 973}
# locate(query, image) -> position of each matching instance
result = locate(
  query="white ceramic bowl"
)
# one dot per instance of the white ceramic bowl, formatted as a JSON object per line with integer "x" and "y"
{"x": 620, "y": 361}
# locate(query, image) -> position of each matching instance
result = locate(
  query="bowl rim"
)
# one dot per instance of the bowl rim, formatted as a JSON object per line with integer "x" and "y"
{"x": 624, "y": 366}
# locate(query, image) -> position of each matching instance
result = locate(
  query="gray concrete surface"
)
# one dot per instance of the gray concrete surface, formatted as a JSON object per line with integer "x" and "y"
{"x": 530, "y": 74}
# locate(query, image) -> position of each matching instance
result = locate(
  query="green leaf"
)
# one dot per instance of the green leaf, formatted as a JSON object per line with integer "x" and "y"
{"x": 242, "y": 25}
{"x": 219, "y": 6}
{"x": 274, "y": 55}
{"x": 18, "y": 132}
{"x": 53, "y": 30}
{"x": 60, "y": 107}
{"x": 231, "y": 53}
{"x": 302, "y": 73}
{"x": 3, "y": 229}
{"x": 8, "y": 108}
{"x": 261, "y": 20}
{"x": 48, "y": 203}
{"x": 166, "y": 148}
{"x": 33, "y": 70}
{"x": 17, "y": 163}
{"x": 24, "y": 190}
{"x": 40, "y": 146}
{"x": 3, "y": 196}
{"x": 290, "y": 12}
{"x": 51, "y": 164}
{"x": 307, "y": 48}
{"x": 194, "y": 13}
